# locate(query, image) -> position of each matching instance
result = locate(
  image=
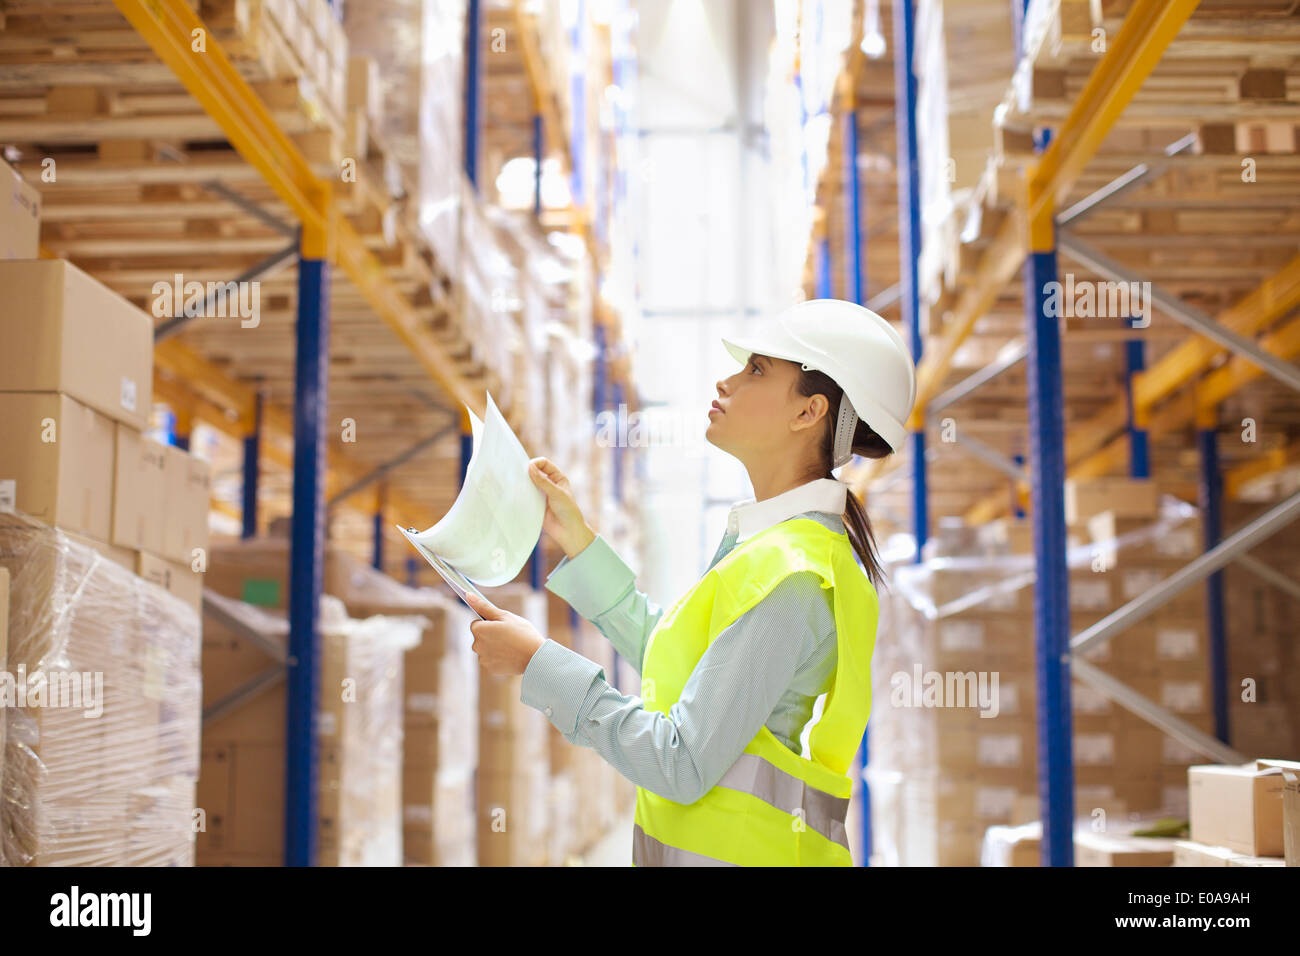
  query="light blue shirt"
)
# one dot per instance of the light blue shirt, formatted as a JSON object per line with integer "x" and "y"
{"x": 768, "y": 668}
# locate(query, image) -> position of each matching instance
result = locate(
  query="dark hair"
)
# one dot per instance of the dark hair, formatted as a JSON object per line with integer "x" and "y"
{"x": 866, "y": 443}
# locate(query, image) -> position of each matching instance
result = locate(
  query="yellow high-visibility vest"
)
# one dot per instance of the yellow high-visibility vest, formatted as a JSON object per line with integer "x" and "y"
{"x": 773, "y": 807}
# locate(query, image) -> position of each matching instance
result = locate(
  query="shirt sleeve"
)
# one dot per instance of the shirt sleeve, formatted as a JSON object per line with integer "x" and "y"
{"x": 599, "y": 585}
{"x": 732, "y": 691}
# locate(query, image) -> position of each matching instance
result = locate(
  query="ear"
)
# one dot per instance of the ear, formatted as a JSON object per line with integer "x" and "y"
{"x": 811, "y": 412}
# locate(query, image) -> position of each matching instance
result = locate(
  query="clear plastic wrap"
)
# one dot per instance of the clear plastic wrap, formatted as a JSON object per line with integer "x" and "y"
{"x": 359, "y": 729}
{"x": 102, "y": 747}
{"x": 953, "y": 735}
{"x": 513, "y": 779}
{"x": 361, "y": 710}
{"x": 440, "y": 713}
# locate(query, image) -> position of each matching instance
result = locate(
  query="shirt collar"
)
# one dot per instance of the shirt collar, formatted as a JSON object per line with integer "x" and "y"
{"x": 749, "y": 517}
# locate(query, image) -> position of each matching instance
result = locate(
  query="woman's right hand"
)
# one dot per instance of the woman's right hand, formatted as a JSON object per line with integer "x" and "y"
{"x": 563, "y": 520}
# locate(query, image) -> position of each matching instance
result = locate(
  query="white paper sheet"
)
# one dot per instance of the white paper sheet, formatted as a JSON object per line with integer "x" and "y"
{"x": 494, "y": 524}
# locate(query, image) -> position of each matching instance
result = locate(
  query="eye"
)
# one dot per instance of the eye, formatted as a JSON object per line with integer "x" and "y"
{"x": 754, "y": 366}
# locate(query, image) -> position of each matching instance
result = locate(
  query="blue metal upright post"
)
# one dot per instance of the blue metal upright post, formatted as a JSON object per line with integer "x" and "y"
{"x": 466, "y": 453}
{"x": 1051, "y": 590}
{"x": 1018, "y": 511}
{"x": 909, "y": 235}
{"x": 311, "y": 390}
{"x": 252, "y": 471}
{"x": 1139, "y": 465}
{"x": 377, "y": 547}
{"x": 537, "y": 164}
{"x": 412, "y": 572}
{"x": 824, "y": 286}
{"x": 855, "y": 278}
{"x": 578, "y": 96}
{"x": 473, "y": 87}
{"x": 1211, "y": 496}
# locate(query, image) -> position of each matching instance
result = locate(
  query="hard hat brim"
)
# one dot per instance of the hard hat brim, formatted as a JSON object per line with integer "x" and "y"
{"x": 742, "y": 348}
{"x": 773, "y": 344}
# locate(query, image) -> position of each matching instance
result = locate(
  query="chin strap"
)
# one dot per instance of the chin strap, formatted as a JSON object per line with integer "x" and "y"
{"x": 845, "y": 425}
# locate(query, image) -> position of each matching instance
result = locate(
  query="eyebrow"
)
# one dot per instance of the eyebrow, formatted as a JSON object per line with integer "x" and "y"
{"x": 756, "y": 358}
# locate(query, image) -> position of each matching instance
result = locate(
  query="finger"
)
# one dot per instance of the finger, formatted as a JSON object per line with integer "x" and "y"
{"x": 486, "y": 608}
{"x": 548, "y": 468}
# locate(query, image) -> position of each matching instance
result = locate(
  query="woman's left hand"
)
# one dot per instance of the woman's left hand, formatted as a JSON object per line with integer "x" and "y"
{"x": 504, "y": 642}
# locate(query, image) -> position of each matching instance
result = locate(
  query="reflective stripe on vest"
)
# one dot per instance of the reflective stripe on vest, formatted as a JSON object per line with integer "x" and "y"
{"x": 821, "y": 811}
{"x": 647, "y": 851}
{"x": 751, "y": 774}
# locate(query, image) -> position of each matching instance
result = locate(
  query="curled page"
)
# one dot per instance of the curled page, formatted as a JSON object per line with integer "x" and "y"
{"x": 495, "y": 522}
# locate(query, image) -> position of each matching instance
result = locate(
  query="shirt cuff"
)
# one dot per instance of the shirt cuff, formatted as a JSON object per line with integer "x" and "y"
{"x": 593, "y": 581}
{"x": 556, "y": 682}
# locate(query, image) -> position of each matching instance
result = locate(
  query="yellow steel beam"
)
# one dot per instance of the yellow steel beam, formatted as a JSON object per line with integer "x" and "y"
{"x": 370, "y": 278}
{"x": 1277, "y": 459}
{"x": 1148, "y": 29}
{"x": 1109, "y": 459}
{"x": 203, "y": 391}
{"x": 1237, "y": 371}
{"x": 1274, "y": 298}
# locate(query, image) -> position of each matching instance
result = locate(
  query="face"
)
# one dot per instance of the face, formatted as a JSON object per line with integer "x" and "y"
{"x": 762, "y": 412}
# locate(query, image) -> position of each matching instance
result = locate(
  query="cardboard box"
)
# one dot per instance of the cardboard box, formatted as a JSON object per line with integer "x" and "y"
{"x": 65, "y": 332}
{"x": 1137, "y": 541}
{"x": 139, "y": 490}
{"x": 1237, "y": 807}
{"x": 1191, "y": 853}
{"x": 123, "y": 557}
{"x": 20, "y": 216}
{"x": 1123, "y": 497}
{"x": 364, "y": 90}
{"x": 173, "y": 578}
{"x": 1290, "y": 816}
{"x": 188, "y": 501}
{"x": 1101, "y": 849}
{"x": 56, "y": 461}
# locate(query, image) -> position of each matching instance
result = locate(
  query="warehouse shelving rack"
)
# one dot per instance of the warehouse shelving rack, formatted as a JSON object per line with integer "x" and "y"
{"x": 323, "y": 240}
{"x": 1028, "y": 240}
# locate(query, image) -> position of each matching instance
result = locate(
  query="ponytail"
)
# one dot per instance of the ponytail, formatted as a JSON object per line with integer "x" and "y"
{"x": 866, "y": 443}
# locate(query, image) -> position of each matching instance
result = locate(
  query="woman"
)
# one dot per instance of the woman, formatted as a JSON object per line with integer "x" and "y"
{"x": 756, "y": 684}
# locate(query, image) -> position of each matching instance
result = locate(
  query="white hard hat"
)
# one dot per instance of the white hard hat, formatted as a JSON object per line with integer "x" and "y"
{"x": 860, "y": 351}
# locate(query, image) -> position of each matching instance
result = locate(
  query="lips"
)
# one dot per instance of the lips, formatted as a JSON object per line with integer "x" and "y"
{"x": 719, "y": 408}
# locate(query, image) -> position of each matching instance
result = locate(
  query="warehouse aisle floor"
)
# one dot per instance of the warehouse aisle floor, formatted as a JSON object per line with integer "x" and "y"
{"x": 615, "y": 847}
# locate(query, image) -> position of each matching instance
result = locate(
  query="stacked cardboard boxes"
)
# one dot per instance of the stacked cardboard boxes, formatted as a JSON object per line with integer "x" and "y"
{"x": 1262, "y": 621}
{"x": 76, "y": 380}
{"x": 101, "y": 744}
{"x": 513, "y": 775}
{"x": 964, "y": 752}
{"x": 241, "y": 786}
{"x": 440, "y": 716}
{"x": 1238, "y": 811}
{"x": 20, "y": 216}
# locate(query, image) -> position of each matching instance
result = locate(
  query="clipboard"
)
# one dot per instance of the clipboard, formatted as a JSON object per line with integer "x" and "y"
{"x": 455, "y": 580}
